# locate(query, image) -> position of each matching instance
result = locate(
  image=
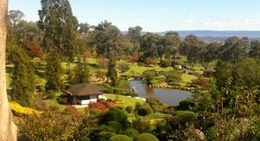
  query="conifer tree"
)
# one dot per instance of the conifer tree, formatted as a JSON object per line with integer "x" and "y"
{"x": 81, "y": 72}
{"x": 112, "y": 73}
{"x": 23, "y": 77}
{"x": 53, "y": 73}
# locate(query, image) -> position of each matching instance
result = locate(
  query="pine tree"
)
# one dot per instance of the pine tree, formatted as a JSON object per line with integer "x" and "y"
{"x": 81, "y": 72}
{"x": 23, "y": 77}
{"x": 53, "y": 72}
{"x": 112, "y": 73}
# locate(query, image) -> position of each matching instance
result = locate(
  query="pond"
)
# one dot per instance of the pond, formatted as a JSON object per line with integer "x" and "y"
{"x": 167, "y": 96}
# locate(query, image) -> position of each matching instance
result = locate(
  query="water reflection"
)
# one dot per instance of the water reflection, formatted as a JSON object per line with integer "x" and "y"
{"x": 167, "y": 96}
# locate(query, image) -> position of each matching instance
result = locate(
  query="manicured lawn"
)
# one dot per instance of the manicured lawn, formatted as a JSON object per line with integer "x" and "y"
{"x": 135, "y": 69}
{"x": 123, "y": 101}
{"x": 92, "y": 60}
{"x": 187, "y": 78}
{"x": 54, "y": 102}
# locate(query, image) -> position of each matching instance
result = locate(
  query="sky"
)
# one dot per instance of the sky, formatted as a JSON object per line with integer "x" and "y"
{"x": 159, "y": 15}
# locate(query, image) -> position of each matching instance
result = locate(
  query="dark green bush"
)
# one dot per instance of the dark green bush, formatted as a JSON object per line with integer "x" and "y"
{"x": 185, "y": 117}
{"x": 186, "y": 104}
{"x": 144, "y": 110}
{"x": 146, "y": 137}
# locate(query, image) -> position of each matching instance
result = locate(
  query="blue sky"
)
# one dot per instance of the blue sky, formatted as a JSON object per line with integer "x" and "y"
{"x": 159, "y": 15}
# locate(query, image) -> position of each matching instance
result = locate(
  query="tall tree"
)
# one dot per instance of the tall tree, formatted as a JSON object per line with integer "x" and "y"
{"x": 59, "y": 26}
{"x": 8, "y": 128}
{"x": 81, "y": 71}
{"x": 255, "y": 49}
{"x": 169, "y": 45}
{"x": 234, "y": 49}
{"x": 108, "y": 41}
{"x": 23, "y": 77}
{"x": 149, "y": 46}
{"x": 193, "y": 48}
{"x": 53, "y": 72}
{"x": 134, "y": 34}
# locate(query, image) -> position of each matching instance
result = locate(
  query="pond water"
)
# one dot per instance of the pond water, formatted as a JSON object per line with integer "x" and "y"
{"x": 167, "y": 96}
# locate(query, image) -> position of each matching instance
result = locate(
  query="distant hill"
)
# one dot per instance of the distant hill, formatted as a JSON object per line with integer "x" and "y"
{"x": 211, "y": 35}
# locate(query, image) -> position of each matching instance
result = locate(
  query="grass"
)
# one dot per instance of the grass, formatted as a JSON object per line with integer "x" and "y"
{"x": 187, "y": 78}
{"x": 136, "y": 69}
{"x": 54, "y": 102}
{"x": 123, "y": 101}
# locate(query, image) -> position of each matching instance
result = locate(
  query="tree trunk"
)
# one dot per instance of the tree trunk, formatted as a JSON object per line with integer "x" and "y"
{"x": 7, "y": 127}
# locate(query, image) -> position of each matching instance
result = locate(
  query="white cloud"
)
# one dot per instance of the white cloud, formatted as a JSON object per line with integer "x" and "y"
{"x": 163, "y": 9}
{"x": 215, "y": 23}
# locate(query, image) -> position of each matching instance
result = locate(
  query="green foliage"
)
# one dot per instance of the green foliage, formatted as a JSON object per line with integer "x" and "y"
{"x": 149, "y": 75}
{"x": 185, "y": 117}
{"x": 81, "y": 72}
{"x": 23, "y": 77}
{"x": 255, "y": 49}
{"x": 59, "y": 26}
{"x": 234, "y": 49}
{"x": 129, "y": 109}
{"x": 123, "y": 66}
{"x": 187, "y": 104}
{"x": 144, "y": 110}
{"x": 155, "y": 104}
{"x": 146, "y": 137}
{"x": 120, "y": 138}
{"x": 193, "y": 48}
{"x": 116, "y": 119}
{"x": 53, "y": 73}
{"x": 95, "y": 113}
{"x": 112, "y": 72}
{"x": 54, "y": 124}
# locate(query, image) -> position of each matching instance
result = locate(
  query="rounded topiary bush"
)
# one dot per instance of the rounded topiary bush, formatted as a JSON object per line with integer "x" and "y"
{"x": 146, "y": 137}
{"x": 120, "y": 138}
{"x": 144, "y": 110}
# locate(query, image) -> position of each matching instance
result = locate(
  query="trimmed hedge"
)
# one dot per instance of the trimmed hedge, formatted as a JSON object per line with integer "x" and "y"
{"x": 120, "y": 138}
{"x": 146, "y": 137}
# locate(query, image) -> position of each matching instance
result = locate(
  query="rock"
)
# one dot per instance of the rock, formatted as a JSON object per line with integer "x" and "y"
{"x": 178, "y": 67}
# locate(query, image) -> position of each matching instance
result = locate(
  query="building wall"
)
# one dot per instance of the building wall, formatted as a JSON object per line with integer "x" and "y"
{"x": 92, "y": 98}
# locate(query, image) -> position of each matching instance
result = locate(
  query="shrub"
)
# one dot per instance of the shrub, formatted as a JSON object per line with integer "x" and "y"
{"x": 150, "y": 61}
{"x": 129, "y": 109}
{"x": 144, "y": 110}
{"x": 173, "y": 77}
{"x": 169, "y": 110}
{"x": 202, "y": 82}
{"x": 149, "y": 75}
{"x": 95, "y": 113}
{"x": 63, "y": 99}
{"x": 50, "y": 94}
{"x": 120, "y": 138}
{"x": 165, "y": 63}
{"x": 185, "y": 117}
{"x": 186, "y": 104}
{"x": 116, "y": 119}
{"x": 131, "y": 132}
{"x": 146, "y": 137}
{"x": 97, "y": 105}
{"x": 123, "y": 67}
